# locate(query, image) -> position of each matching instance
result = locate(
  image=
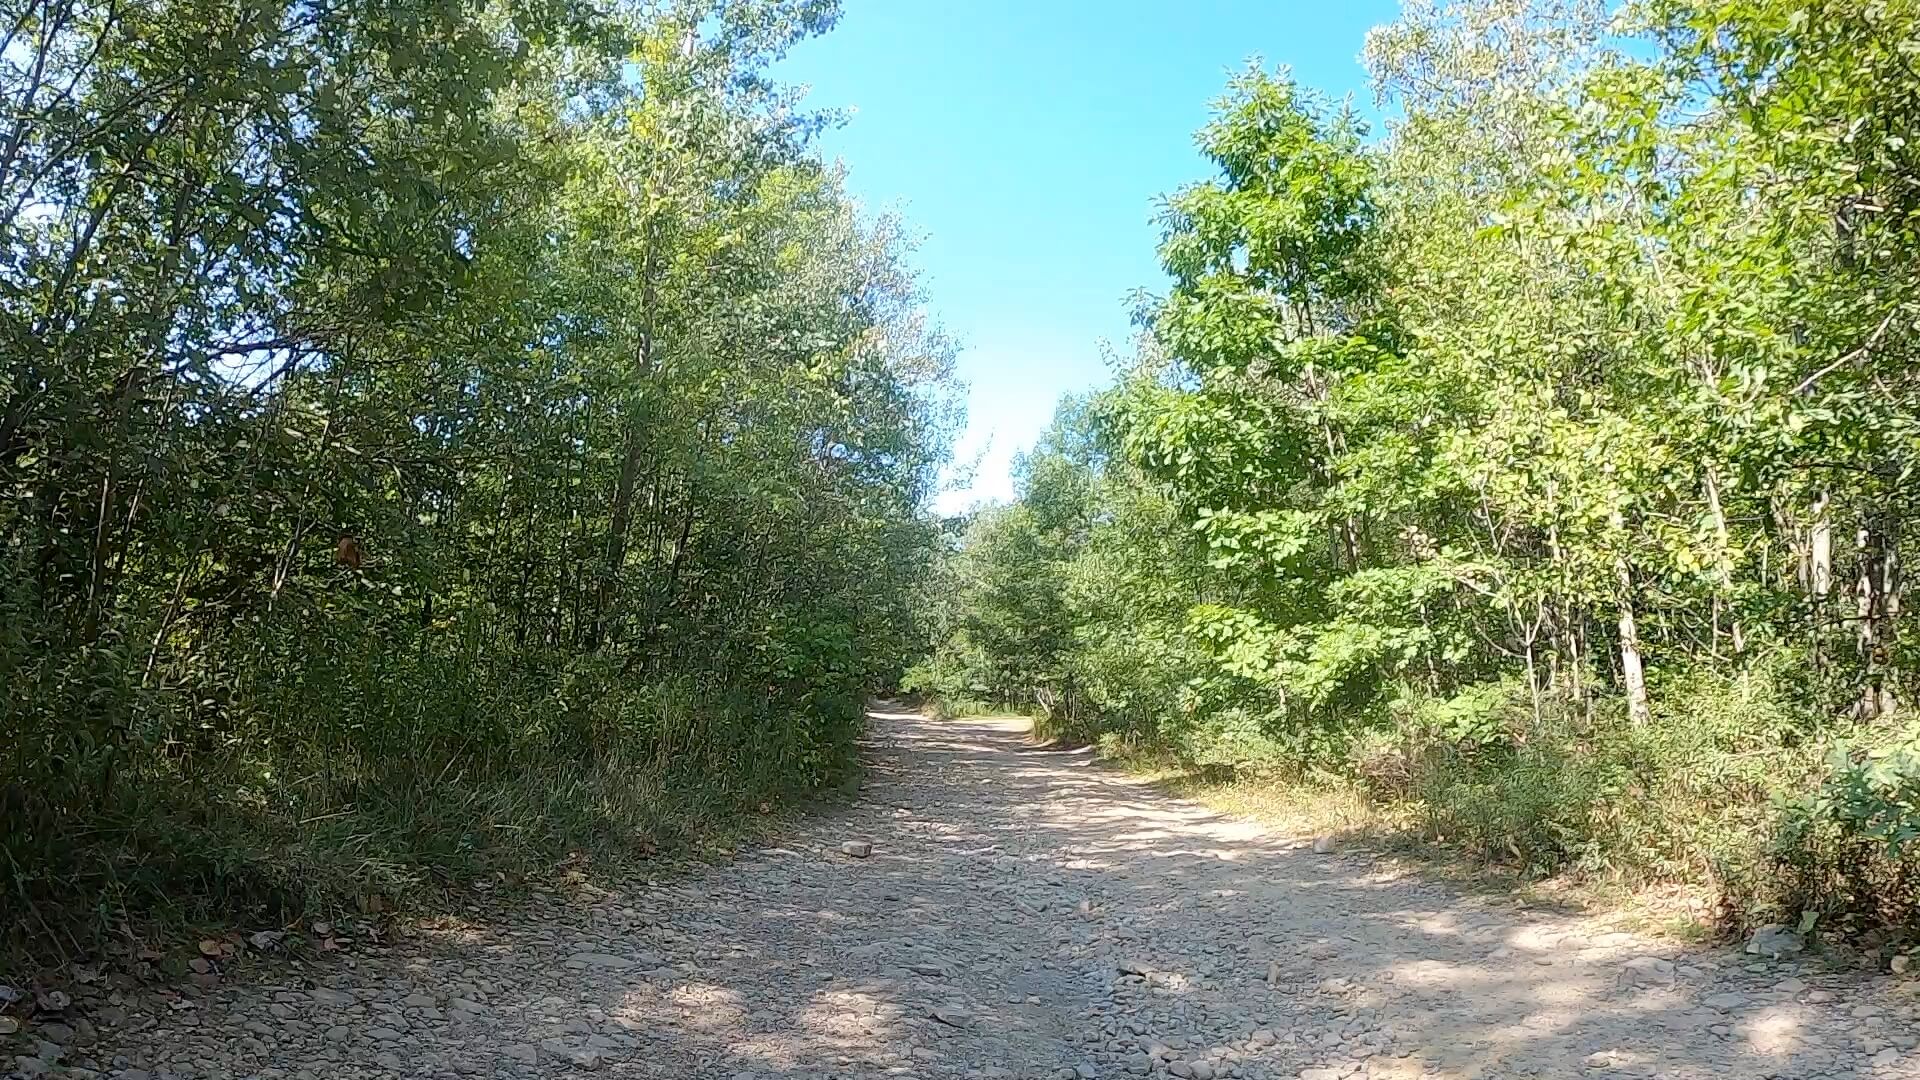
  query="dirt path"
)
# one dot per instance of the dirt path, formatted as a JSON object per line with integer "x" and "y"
{"x": 1024, "y": 915}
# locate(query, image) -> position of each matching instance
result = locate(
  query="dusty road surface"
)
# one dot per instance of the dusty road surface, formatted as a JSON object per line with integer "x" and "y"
{"x": 1022, "y": 914}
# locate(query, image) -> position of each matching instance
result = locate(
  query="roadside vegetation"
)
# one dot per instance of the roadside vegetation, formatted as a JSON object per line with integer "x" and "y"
{"x": 438, "y": 442}
{"x": 1533, "y": 477}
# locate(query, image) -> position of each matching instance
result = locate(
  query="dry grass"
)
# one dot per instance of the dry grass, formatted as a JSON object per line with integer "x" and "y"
{"x": 1396, "y": 835}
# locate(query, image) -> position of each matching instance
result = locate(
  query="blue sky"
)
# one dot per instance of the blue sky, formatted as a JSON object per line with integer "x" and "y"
{"x": 1024, "y": 143}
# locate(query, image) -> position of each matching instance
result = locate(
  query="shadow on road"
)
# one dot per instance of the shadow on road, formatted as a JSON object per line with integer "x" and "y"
{"x": 1029, "y": 914}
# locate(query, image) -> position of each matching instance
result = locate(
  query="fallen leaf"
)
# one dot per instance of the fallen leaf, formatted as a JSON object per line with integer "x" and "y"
{"x": 265, "y": 939}
{"x": 323, "y": 928}
{"x": 86, "y": 973}
{"x": 200, "y": 965}
{"x": 209, "y": 947}
{"x": 8, "y": 1025}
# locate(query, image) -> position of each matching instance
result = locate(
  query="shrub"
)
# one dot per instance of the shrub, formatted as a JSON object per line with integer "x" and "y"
{"x": 1851, "y": 848}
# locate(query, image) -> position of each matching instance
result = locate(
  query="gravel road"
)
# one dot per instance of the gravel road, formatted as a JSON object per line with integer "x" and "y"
{"x": 1021, "y": 913}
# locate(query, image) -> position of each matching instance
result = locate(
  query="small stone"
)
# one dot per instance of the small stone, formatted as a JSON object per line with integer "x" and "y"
{"x": 1648, "y": 969}
{"x": 383, "y": 1034}
{"x": 856, "y": 849}
{"x": 1325, "y": 844}
{"x": 1139, "y": 1064}
{"x": 1724, "y": 1002}
{"x": 1200, "y": 1070}
{"x": 1901, "y": 964}
{"x": 56, "y": 1032}
{"x": 951, "y": 1015}
{"x": 1776, "y": 941}
{"x": 1132, "y": 967}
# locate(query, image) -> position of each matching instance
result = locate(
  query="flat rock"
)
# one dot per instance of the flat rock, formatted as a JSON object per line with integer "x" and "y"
{"x": 1775, "y": 941}
{"x": 951, "y": 1015}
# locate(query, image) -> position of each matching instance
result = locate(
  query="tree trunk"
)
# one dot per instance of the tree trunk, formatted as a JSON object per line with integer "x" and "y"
{"x": 1724, "y": 559}
{"x": 1877, "y": 600}
{"x": 620, "y": 516}
{"x": 1632, "y": 673}
{"x": 1820, "y": 552}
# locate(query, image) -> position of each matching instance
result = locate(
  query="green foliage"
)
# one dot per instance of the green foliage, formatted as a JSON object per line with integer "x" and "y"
{"x": 1547, "y": 465}
{"x": 1875, "y": 799}
{"x": 433, "y": 437}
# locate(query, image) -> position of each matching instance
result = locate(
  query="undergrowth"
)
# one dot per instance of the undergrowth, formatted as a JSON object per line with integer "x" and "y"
{"x": 257, "y": 839}
{"x": 1725, "y": 811}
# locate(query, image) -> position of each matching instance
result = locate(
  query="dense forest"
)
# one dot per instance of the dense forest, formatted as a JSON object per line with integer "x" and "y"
{"x": 438, "y": 438}
{"x": 1540, "y": 466}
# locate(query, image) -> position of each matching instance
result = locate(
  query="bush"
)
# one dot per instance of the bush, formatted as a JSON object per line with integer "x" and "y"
{"x": 1692, "y": 796}
{"x": 571, "y": 766}
{"x": 1532, "y": 807}
{"x": 1851, "y": 848}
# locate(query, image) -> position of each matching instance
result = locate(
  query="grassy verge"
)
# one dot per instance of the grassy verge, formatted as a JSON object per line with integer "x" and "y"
{"x": 1642, "y": 828}
{"x": 260, "y": 841}
{"x": 1400, "y": 835}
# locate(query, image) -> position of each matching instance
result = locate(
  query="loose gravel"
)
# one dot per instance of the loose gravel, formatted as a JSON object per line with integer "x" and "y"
{"x": 992, "y": 910}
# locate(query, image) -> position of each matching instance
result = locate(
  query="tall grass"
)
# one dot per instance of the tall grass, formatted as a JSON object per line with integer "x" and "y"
{"x": 409, "y": 785}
